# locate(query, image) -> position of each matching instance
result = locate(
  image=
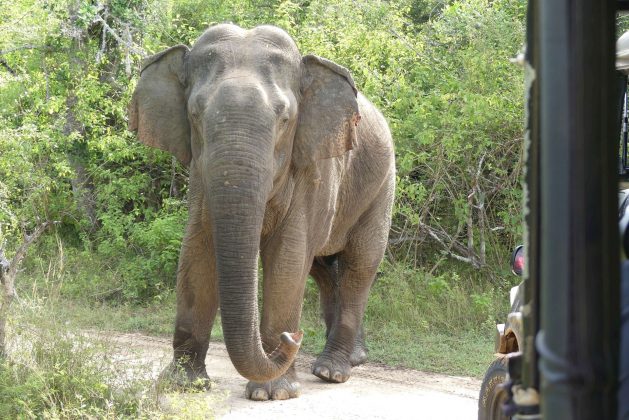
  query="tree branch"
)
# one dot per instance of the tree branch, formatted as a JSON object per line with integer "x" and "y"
{"x": 480, "y": 199}
{"x": 103, "y": 42}
{"x": 442, "y": 238}
{"x": 23, "y": 47}
{"x": 4, "y": 265}
{"x": 406, "y": 238}
{"x": 21, "y": 252}
{"x": 8, "y": 273}
{"x": 6, "y": 66}
{"x": 118, "y": 38}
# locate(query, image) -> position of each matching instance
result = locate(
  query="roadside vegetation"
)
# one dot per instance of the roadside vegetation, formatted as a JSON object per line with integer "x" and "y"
{"x": 438, "y": 69}
{"x": 55, "y": 372}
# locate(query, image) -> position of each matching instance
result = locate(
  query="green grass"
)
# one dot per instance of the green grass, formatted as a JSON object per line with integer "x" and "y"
{"x": 155, "y": 318}
{"x": 412, "y": 323}
{"x": 438, "y": 323}
{"x": 465, "y": 353}
{"x": 462, "y": 354}
{"x": 53, "y": 372}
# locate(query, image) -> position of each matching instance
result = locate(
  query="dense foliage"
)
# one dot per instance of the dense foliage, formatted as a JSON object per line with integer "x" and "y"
{"x": 439, "y": 70}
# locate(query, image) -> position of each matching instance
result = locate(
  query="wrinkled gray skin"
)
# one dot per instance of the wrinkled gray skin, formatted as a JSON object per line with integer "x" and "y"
{"x": 287, "y": 162}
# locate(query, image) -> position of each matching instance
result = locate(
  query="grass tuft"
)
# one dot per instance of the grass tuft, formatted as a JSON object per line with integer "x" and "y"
{"x": 51, "y": 372}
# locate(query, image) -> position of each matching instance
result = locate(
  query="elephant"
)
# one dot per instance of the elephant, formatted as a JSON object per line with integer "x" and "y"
{"x": 289, "y": 165}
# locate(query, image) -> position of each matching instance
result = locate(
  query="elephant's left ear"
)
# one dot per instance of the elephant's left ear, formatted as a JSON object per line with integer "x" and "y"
{"x": 328, "y": 112}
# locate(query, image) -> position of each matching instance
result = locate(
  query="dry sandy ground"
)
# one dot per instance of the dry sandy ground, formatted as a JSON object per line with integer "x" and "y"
{"x": 373, "y": 392}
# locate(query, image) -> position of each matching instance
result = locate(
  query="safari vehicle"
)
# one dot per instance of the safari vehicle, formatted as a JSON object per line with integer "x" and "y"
{"x": 493, "y": 392}
{"x": 563, "y": 352}
{"x": 494, "y": 388}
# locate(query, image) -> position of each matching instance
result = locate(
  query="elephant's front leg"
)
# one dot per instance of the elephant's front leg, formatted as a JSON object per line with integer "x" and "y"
{"x": 345, "y": 346}
{"x": 357, "y": 267}
{"x": 197, "y": 303}
{"x": 286, "y": 264}
{"x": 325, "y": 272}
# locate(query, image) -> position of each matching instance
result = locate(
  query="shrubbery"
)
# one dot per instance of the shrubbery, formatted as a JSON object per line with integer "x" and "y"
{"x": 439, "y": 71}
{"x": 56, "y": 374}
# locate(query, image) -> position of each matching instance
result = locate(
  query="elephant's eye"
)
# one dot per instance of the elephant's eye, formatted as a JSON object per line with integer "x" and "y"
{"x": 196, "y": 105}
{"x": 283, "y": 120}
{"x": 194, "y": 111}
{"x": 281, "y": 110}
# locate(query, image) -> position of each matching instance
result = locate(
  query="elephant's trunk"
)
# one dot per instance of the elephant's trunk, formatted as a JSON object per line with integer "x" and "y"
{"x": 239, "y": 185}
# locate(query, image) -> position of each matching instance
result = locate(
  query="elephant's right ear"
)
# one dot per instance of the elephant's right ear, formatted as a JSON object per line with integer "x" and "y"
{"x": 158, "y": 107}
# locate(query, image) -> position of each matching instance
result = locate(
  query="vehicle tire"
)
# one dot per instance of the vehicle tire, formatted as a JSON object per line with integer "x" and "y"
{"x": 491, "y": 395}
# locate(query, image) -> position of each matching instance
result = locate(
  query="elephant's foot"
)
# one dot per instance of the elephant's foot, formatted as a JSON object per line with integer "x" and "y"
{"x": 183, "y": 375}
{"x": 282, "y": 388}
{"x": 332, "y": 370}
{"x": 359, "y": 355}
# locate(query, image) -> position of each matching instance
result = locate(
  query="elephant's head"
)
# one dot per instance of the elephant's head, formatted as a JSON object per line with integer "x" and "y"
{"x": 245, "y": 110}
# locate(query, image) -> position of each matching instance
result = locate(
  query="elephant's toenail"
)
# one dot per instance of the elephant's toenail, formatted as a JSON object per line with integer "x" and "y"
{"x": 323, "y": 372}
{"x": 296, "y": 390}
{"x": 337, "y": 377}
{"x": 259, "y": 395}
{"x": 280, "y": 394}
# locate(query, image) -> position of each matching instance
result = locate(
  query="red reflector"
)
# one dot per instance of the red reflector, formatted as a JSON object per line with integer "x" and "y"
{"x": 517, "y": 261}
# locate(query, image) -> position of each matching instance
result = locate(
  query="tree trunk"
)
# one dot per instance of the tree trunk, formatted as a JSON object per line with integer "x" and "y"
{"x": 8, "y": 293}
{"x": 8, "y": 273}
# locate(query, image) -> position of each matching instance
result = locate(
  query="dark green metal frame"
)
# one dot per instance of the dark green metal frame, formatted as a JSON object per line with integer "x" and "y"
{"x": 572, "y": 290}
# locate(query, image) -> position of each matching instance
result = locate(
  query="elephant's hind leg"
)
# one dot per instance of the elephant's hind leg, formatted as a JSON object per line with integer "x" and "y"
{"x": 325, "y": 272}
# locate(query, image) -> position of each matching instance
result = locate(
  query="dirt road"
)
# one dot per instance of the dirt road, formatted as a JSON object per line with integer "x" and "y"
{"x": 373, "y": 392}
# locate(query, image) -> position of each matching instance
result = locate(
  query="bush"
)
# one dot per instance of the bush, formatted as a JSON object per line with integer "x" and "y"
{"x": 152, "y": 270}
{"x": 52, "y": 373}
{"x": 449, "y": 302}
{"x": 438, "y": 70}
